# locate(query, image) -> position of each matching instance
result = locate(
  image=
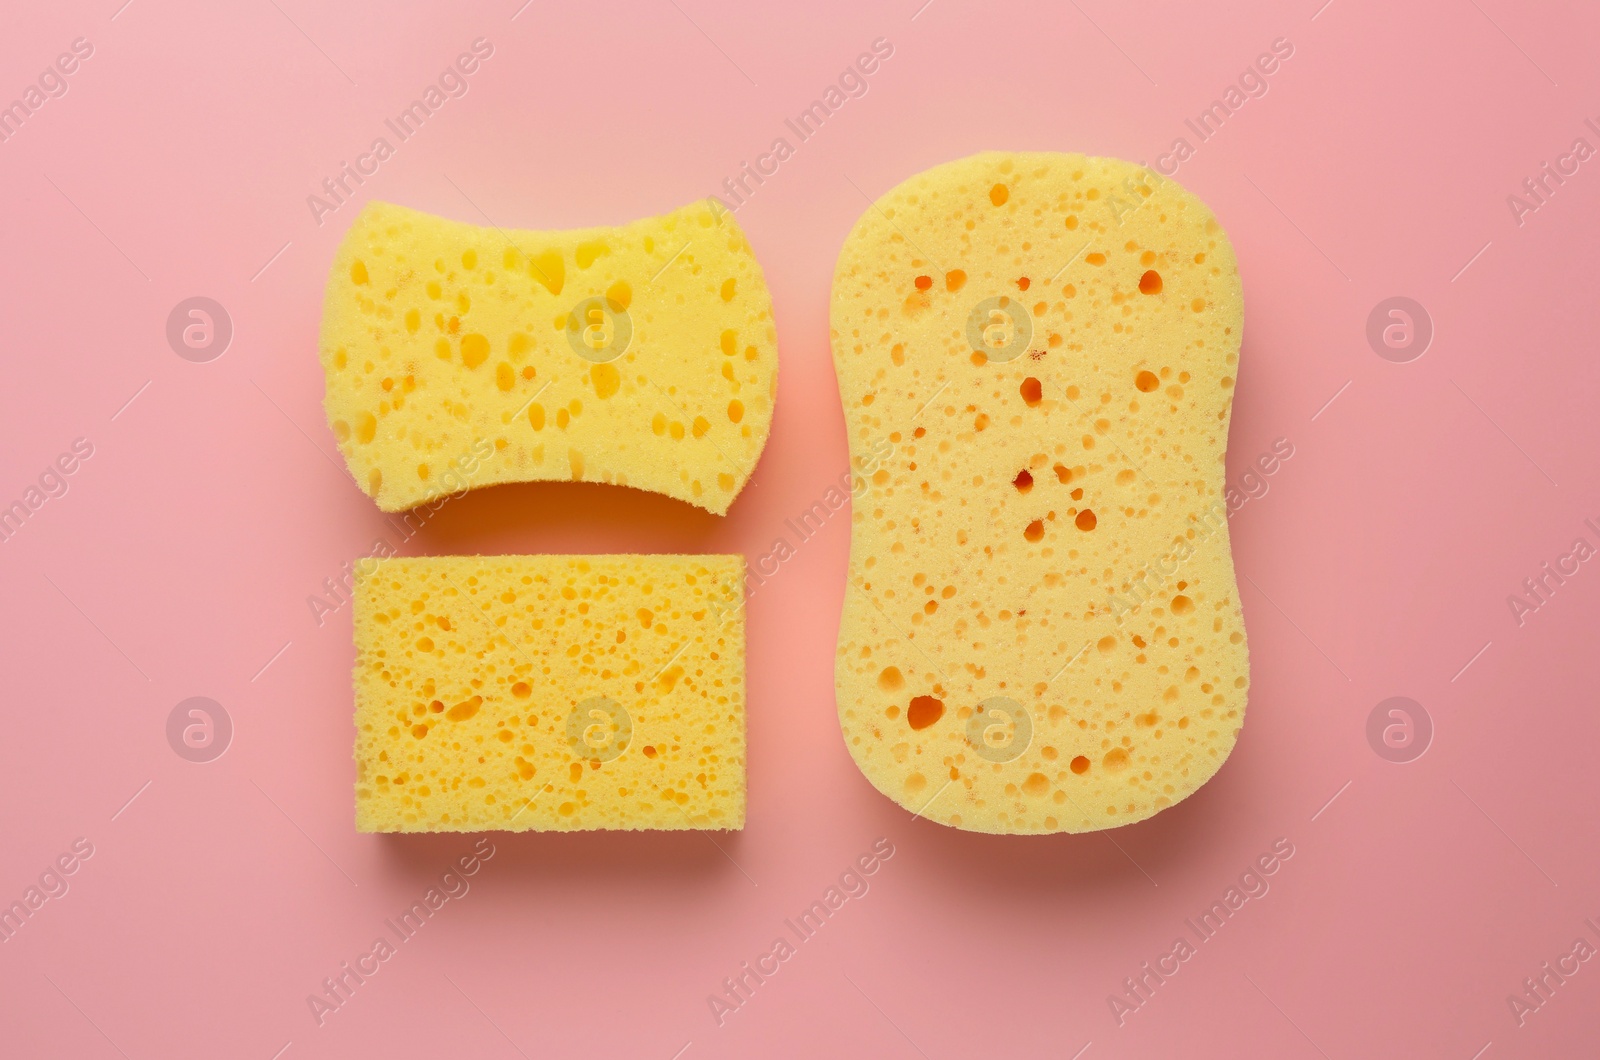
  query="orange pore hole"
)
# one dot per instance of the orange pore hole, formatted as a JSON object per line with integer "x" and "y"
{"x": 924, "y": 711}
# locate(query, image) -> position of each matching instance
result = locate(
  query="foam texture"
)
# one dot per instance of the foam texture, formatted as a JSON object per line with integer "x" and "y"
{"x": 549, "y": 693}
{"x": 460, "y": 356}
{"x": 1041, "y": 631}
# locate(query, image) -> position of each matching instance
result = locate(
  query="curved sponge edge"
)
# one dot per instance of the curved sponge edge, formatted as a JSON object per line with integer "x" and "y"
{"x": 549, "y": 693}
{"x": 459, "y": 356}
{"x": 1041, "y": 632}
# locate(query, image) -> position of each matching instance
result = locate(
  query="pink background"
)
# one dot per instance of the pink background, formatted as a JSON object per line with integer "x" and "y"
{"x": 1379, "y": 561}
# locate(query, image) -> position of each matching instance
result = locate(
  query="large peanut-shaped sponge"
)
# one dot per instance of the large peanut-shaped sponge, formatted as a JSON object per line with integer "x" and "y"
{"x": 460, "y": 356}
{"x": 1041, "y": 631}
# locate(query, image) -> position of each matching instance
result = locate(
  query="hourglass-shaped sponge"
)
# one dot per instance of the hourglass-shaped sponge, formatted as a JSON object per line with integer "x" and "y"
{"x": 459, "y": 356}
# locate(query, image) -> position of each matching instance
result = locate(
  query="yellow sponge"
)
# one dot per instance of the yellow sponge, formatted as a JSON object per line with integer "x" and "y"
{"x": 549, "y": 693}
{"x": 459, "y": 356}
{"x": 1042, "y": 632}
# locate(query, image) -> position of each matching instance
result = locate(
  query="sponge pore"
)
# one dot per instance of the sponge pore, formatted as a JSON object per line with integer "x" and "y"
{"x": 549, "y": 693}
{"x": 458, "y": 356}
{"x": 1041, "y": 631}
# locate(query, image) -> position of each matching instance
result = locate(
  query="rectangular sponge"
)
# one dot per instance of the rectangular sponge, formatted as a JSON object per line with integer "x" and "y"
{"x": 549, "y": 693}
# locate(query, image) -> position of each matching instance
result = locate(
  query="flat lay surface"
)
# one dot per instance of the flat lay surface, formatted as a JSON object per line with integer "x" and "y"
{"x": 1397, "y": 860}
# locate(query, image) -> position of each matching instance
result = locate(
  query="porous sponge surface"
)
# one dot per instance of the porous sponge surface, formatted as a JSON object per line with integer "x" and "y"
{"x": 459, "y": 356}
{"x": 1041, "y": 632}
{"x": 549, "y": 693}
